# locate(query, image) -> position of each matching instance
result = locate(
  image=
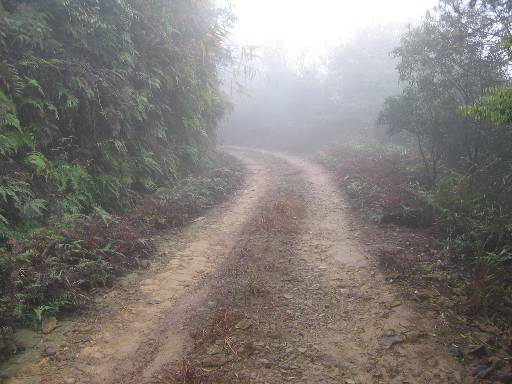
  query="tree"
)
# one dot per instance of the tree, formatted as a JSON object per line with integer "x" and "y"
{"x": 419, "y": 115}
{"x": 361, "y": 74}
{"x": 496, "y": 105}
{"x": 446, "y": 63}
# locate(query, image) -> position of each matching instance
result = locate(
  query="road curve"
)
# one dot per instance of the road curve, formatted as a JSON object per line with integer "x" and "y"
{"x": 339, "y": 320}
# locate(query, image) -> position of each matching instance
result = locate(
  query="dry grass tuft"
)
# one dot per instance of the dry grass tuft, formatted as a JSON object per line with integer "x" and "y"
{"x": 218, "y": 327}
{"x": 291, "y": 206}
{"x": 184, "y": 373}
{"x": 281, "y": 215}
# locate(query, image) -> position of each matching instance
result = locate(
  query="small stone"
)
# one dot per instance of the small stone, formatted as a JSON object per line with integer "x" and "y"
{"x": 302, "y": 349}
{"x": 503, "y": 377}
{"x": 433, "y": 363}
{"x": 215, "y": 361}
{"x": 215, "y": 350}
{"x": 49, "y": 351}
{"x": 63, "y": 356}
{"x": 97, "y": 355}
{"x": 487, "y": 328}
{"x": 390, "y": 338}
{"x": 85, "y": 329}
{"x": 455, "y": 351}
{"x": 265, "y": 363}
{"x": 329, "y": 360}
{"x": 49, "y": 324}
{"x": 457, "y": 377}
{"x": 69, "y": 380}
{"x": 244, "y": 324}
{"x": 395, "y": 303}
{"x": 414, "y": 336}
{"x": 478, "y": 351}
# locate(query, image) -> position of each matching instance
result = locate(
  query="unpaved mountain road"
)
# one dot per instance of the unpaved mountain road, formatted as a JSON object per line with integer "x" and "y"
{"x": 270, "y": 287}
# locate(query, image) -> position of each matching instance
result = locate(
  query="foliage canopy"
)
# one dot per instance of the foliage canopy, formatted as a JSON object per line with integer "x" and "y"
{"x": 101, "y": 100}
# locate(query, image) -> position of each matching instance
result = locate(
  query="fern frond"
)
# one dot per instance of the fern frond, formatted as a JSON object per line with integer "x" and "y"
{"x": 11, "y": 120}
{"x": 38, "y": 162}
{"x": 30, "y": 82}
{"x": 34, "y": 208}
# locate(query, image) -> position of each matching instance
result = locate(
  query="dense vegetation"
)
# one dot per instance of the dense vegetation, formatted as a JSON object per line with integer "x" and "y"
{"x": 447, "y": 65}
{"x": 107, "y": 111}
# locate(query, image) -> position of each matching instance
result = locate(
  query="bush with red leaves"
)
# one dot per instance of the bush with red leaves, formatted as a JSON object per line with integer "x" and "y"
{"x": 383, "y": 179}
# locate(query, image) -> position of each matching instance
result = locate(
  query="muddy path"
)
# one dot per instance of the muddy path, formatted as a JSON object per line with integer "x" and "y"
{"x": 270, "y": 287}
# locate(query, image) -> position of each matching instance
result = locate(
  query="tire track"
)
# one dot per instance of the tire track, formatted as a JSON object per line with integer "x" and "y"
{"x": 272, "y": 287}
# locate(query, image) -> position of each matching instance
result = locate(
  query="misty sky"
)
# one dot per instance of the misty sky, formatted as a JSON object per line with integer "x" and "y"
{"x": 316, "y": 24}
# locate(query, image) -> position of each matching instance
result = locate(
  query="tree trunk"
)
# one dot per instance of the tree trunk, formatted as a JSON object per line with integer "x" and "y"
{"x": 426, "y": 162}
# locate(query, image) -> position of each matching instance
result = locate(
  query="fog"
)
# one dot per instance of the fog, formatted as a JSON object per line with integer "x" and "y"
{"x": 316, "y": 26}
{"x": 291, "y": 104}
{"x": 320, "y": 71}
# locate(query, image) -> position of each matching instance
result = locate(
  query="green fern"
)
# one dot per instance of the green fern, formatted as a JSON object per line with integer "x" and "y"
{"x": 12, "y": 190}
{"x": 69, "y": 99}
{"x": 147, "y": 162}
{"x": 33, "y": 208}
{"x": 5, "y": 147}
{"x": 33, "y": 83}
{"x": 72, "y": 177}
{"x": 11, "y": 120}
{"x": 106, "y": 217}
{"x": 38, "y": 162}
{"x": 4, "y": 226}
{"x": 24, "y": 208}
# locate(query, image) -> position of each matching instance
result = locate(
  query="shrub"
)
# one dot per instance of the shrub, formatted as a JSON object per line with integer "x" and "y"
{"x": 381, "y": 178}
{"x": 54, "y": 268}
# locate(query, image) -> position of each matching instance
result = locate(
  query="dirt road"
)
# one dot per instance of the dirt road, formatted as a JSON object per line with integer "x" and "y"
{"x": 271, "y": 287}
